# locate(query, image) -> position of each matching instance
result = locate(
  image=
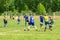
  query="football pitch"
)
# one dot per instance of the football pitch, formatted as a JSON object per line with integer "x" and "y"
{"x": 15, "y": 31}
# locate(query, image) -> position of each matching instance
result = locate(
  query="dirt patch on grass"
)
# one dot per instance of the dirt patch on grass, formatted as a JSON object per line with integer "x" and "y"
{"x": 21, "y": 17}
{"x": 55, "y": 17}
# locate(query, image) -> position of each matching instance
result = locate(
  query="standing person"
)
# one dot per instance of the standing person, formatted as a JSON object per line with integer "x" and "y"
{"x": 46, "y": 19}
{"x": 51, "y": 22}
{"x": 41, "y": 20}
{"x": 31, "y": 22}
{"x": 13, "y": 17}
{"x": 26, "y": 19}
{"x": 5, "y": 21}
{"x": 18, "y": 19}
{"x": 10, "y": 16}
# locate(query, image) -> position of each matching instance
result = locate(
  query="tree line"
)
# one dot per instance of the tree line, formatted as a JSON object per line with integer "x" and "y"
{"x": 30, "y": 5}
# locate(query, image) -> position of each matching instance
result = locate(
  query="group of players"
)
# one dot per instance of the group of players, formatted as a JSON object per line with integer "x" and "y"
{"x": 44, "y": 19}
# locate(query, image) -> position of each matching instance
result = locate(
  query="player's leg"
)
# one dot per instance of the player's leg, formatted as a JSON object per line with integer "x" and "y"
{"x": 50, "y": 27}
{"x": 18, "y": 22}
{"x": 45, "y": 26}
{"x": 41, "y": 24}
{"x": 25, "y": 22}
{"x": 5, "y": 24}
{"x": 29, "y": 26}
{"x": 34, "y": 26}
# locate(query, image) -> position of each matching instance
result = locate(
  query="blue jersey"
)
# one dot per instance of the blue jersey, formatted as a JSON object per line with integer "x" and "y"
{"x": 31, "y": 19}
{"x": 41, "y": 19}
{"x": 26, "y": 17}
{"x": 5, "y": 21}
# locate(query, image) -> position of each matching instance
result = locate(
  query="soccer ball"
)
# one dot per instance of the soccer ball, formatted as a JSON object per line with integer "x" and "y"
{"x": 24, "y": 29}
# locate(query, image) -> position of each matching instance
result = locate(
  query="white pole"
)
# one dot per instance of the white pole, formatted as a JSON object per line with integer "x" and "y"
{"x": 54, "y": 16}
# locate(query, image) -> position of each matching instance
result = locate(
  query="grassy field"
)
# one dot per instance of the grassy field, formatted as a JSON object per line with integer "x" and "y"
{"x": 15, "y": 31}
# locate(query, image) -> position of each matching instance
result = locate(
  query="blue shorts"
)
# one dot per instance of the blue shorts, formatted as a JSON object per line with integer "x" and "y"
{"x": 51, "y": 23}
{"x": 18, "y": 20}
{"x": 5, "y": 22}
{"x": 31, "y": 24}
{"x": 46, "y": 22}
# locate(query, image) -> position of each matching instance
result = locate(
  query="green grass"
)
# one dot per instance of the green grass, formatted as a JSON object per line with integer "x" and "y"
{"x": 13, "y": 31}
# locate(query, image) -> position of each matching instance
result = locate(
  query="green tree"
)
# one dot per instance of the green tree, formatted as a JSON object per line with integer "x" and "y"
{"x": 1, "y": 6}
{"x": 41, "y": 8}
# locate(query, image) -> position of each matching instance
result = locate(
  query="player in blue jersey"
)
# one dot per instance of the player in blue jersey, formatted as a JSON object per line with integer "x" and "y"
{"x": 31, "y": 22}
{"x": 41, "y": 20}
{"x": 26, "y": 19}
{"x": 18, "y": 19}
{"x": 5, "y": 21}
